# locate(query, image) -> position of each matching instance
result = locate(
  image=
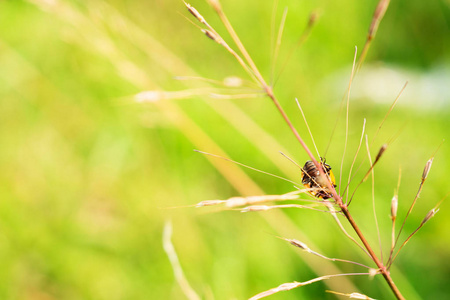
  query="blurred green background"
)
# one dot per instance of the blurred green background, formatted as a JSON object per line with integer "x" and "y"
{"x": 89, "y": 177}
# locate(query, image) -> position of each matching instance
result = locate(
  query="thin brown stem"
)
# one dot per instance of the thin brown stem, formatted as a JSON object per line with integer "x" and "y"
{"x": 375, "y": 259}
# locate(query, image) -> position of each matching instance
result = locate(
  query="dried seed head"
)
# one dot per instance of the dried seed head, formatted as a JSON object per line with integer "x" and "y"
{"x": 299, "y": 244}
{"x": 427, "y": 168}
{"x": 377, "y": 16}
{"x": 429, "y": 215}
{"x": 394, "y": 207}
{"x": 210, "y": 34}
{"x": 195, "y": 13}
{"x": 382, "y": 149}
{"x": 312, "y": 18}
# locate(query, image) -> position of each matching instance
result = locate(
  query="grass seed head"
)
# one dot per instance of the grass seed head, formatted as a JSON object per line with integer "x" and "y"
{"x": 382, "y": 149}
{"x": 427, "y": 168}
{"x": 429, "y": 215}
{"x": 394, "y": 207}
{"x": 299, "y": 244}
{"x": 211, "y": 35}
{"x": 195, "y": 13}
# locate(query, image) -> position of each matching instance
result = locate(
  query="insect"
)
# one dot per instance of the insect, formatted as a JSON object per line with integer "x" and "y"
{"x": 311, "y": 179}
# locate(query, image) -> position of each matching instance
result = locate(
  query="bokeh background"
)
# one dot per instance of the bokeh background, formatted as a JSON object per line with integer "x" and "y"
{"x": 89, "y": 177}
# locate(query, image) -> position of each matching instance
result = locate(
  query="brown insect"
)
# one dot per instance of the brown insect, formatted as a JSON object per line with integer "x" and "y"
{"x": 311, "y": 179}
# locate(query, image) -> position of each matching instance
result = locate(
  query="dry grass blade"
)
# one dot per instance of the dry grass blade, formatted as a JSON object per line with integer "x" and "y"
{"x": 175, "y": 263}
{"x": 292, "y": 285}
{"x": 352, "y": 295}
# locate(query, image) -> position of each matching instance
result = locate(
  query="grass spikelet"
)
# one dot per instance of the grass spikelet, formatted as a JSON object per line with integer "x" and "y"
{"x": 352, "y": 295}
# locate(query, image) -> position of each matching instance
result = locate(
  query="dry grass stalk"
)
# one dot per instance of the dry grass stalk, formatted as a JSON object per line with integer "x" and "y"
{"x": 292, "y": 285}
{"x": 175, "y": 263}
{"x": 211, "y": 33}
{"x": 352, "y": 295}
